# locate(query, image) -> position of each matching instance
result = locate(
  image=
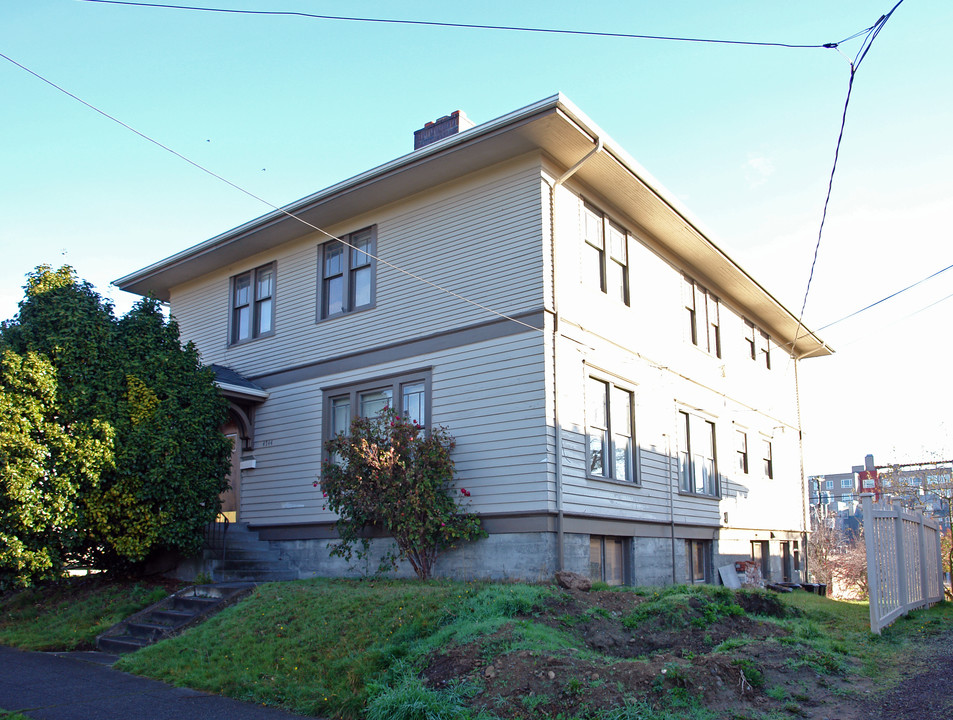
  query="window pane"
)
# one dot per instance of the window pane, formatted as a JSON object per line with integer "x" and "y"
{"x": 592, "y": 266}
{"x": 242, "y": 323}
{"x": 593, "y": 229}
{"x": 334, "y": 298}
{"x": 242, "y": 290}
{"x": 362, "y": 246}
{"x": 595, "y": 557}
{"x": 266, "y": 278}
{"x": 361, "y": 287}
{"x": 263, "y": 309}
{"x": 597, "y": 452}
{"x": 617, "y": 249}
{"x": 414, "y": 402}
{"x": 340, "y": 415}
{"x": 616, "y": 282}
{"x": 613, "y": 574}
{"x": 596, "y": 399}
{"x": 333, "y": 259}
{"x": 622, "y": 446}
{"x": 373, "y": 401}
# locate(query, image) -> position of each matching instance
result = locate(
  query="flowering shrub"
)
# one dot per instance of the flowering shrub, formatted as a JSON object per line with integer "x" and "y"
{"x": 390, "y": 474}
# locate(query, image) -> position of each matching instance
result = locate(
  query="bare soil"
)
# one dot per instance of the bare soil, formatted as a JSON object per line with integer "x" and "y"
{"x": 653, "y": 663}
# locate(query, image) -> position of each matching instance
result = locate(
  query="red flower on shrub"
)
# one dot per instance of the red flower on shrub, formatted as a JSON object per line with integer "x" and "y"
{"x": 464, "y": 492}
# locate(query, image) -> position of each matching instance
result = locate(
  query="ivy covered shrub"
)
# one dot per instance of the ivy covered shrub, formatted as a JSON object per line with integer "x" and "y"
{"x": 390, "y": 473}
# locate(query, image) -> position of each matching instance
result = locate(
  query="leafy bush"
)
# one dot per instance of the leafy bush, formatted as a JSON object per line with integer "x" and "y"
{"x": 390, "y": 473}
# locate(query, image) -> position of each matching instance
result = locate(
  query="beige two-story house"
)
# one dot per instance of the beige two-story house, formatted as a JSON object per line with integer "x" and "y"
{"x": 621, "y": 392}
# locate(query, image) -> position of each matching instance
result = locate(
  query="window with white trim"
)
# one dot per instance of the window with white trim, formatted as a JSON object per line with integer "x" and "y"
{"x": 847, "y": 484}
{"x": 605, "y": 254}
{"x": 765, "y": 347}
{"x": 348, "y": 273}
{"x": 253, "y": 304}
{"x": 703, "y": 322}
{"x": 697, "y": 466}
{"x": 610, "y": 431}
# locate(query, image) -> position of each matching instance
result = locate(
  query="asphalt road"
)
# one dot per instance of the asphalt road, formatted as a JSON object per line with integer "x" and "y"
{"x": 83, "y": 686}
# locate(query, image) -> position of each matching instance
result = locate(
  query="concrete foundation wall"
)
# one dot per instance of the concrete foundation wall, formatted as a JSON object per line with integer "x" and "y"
{"x": 527, "y": 557}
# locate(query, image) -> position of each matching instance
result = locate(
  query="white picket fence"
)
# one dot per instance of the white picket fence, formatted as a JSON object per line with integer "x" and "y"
{"x": 904, "y": 568}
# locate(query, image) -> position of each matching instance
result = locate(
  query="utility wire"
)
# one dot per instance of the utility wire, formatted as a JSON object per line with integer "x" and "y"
{"x": 889, "y": 297}
{"x": 266, "y": 202}
{"x": 871, "y": 34}
{"x": 475, "y": 26}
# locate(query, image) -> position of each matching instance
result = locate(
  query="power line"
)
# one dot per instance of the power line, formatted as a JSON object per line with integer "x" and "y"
{"x": 871, "y": 34}
{"x": 476, "y": 26}
{"x": 250, "y": 194}
{"x": 889, "y": 297}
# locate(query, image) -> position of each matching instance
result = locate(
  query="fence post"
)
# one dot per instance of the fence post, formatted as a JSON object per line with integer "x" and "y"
{"x": 904, "y": 595}
{"x": 925, "y": 593}
{"x": 939, "y": 559}
{"x": 874, "y": 589}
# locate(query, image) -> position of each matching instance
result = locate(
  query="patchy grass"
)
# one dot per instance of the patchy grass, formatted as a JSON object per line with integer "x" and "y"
{"x": 394, "y": 650}
{"x": 69, "y": 615}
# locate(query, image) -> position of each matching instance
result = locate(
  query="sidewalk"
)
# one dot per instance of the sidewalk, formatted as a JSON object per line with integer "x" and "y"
{"x": 83, "y": 686}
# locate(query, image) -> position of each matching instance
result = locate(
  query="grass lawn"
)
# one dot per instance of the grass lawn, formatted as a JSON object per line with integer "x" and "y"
{"x": 395, "y": 650}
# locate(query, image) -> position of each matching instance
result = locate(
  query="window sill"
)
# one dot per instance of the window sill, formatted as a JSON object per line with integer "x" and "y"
{"x": 703, "y": 496}
{"x": 238, "y": 343}
{"x": 613, "y": 481}
{"x": 349, "y": 313}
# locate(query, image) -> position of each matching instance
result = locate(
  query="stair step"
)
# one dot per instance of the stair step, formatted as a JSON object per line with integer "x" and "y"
{"x": 147, "y": 630}
{"x": 122, "y": 644}
{"x": 194, "y": 604}
{"x": 172, "y": 617}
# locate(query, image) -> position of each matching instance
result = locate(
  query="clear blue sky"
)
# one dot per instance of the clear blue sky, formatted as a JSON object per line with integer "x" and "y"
{"x": 744, "y": 136}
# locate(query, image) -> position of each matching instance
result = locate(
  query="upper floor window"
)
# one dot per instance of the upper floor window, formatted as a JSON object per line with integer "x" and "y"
{"x": 697, "y": 467}
{"x": 253, "y": 304}
{"x": 847, "y": 484}
{"x": 703, "y": 317}
{"x": 347, "y": 273}
{"x": 610, "y": 426}
{"x": 828, "y": 484}
{"x": 765, "y": 347}
{"x": 768, "y": 458}
{"x": 741, "y": 448}
{"x": 606, "y": 255}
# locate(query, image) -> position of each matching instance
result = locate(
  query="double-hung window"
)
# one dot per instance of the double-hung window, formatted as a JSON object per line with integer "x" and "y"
{"x": 702, "y": 316}
{"x": 610, "y": 424}
{"x": 767, "y": 457}
{"x": 697, "y": 466}
{"x": 347, "y": 273}
{"x": 605, "y": 255}
{"x": 741, "y": 448}
{"x": 408, "y": 394}
{"x": 253, "y": 304}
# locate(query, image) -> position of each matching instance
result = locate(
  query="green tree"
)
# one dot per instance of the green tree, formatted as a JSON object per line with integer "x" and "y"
{"x": 391, "y": 474}
{"x": 43, "y": 465}
{"x": 130, "y": 383}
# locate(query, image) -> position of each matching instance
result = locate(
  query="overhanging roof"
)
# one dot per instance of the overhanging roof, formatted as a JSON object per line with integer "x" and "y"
{"x": 554, "y": 126}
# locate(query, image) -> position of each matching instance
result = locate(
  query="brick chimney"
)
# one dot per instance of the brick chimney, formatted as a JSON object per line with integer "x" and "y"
{"x": 448, "y": 125}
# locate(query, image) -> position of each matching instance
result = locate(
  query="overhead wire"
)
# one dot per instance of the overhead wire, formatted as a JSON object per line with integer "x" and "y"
{"x": 260, "y": 199}
{"x": 870, "y": 34}
{"x": 477, "y": 26}
{"x": 889, "y": 297}
{"x": 869, "y": 38}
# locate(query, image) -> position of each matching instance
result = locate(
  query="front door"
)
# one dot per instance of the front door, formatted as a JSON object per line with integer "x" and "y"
{"x": 231, "y": 498}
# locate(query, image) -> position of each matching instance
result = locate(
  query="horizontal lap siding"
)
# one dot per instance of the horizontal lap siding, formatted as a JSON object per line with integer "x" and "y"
{"x": 500, "y": 456}
{"x": 480, "y": 237}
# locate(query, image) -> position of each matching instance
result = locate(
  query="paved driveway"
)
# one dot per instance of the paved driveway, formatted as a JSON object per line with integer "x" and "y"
{"x": 83, "y": 686}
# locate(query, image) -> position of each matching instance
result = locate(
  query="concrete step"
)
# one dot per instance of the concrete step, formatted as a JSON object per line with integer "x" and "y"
{"x": 121, "y": 644}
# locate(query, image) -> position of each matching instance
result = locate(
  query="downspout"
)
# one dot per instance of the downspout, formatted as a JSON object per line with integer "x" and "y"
{"x": 805, "y": 522}
{"x": 560, "y": 551}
